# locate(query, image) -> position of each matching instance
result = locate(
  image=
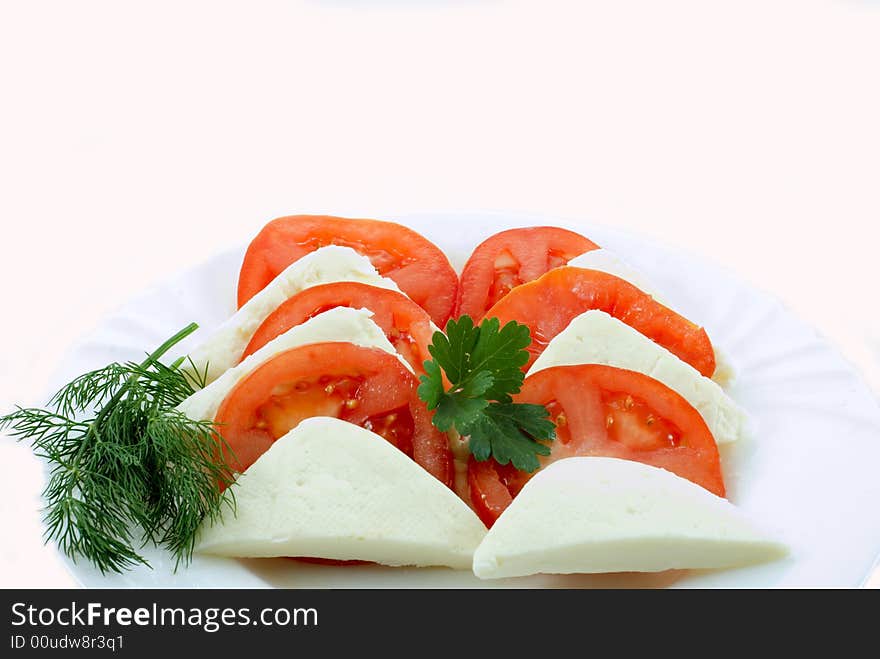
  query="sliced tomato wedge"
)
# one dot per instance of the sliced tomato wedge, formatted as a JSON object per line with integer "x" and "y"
{"x": 549, "y": 304}
{"x": 365, "y": 386}
{"x": 610, "y": 412}
{"x": 511, "y": 258}
{"x": 415, "y": 264}
{"x": 407, "y": 326}
{"x": 329, "y": 561}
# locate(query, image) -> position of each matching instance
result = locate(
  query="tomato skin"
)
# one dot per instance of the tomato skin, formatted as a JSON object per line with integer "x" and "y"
{"x": 357, "y": 384}
{"x": 581, "y": 400}
{"x": 407, "y": 326}
{"x": 315, "y": 560}
{"x": 489, "y": 495}
{"x": 419, "y": 267}
{"x": 548, "y": 304}
{"x": 511, "y": 258}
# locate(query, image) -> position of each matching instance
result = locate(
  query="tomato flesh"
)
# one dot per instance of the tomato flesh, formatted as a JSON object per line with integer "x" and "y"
{"x": 548, "y": 304}
{"x": 490, "y": 493}
{"x": 611, "y": 412}
{"x": 512, "y": 258}
{"x": 365, "y": 386}
{"x": 316, "y": 560}
{"x": 407, "y": 326}
{"x": 290, "y": 404}
{"x": 419, "y": 267}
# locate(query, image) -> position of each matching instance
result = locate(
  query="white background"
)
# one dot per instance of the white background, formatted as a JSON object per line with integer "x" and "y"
{"x": 137, "y": 139}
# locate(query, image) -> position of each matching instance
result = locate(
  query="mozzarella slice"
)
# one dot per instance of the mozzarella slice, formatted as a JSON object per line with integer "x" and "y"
{"x": 594, "y": 337}
{"x": 331, "y": 489}
{"x": 328, "y": 264}
{"x": 606, "y": 261}
{"x": 339, "y": 324}
{"x": 591, "y": 514}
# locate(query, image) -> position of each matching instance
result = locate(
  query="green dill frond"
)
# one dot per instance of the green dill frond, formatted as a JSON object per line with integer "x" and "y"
{"x": 89, "y": 389}
{"x": 137, "y": 472}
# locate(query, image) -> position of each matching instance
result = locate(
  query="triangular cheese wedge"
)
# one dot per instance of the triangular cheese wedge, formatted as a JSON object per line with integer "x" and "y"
{"x": 591, "y": 514}
{"x": 331, "y": 489}
{"x": 332, "y": 263}
{"x": 594, "y": 337}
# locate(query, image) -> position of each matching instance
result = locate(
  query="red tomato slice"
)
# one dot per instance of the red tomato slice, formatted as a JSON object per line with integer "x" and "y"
{"x": 511, "y": 258}
{"x": 416, "y": 265}
{"x": 549, "y": 304}
{"x": 329, "y": 561}
{"x": 365, "y": 386}
{"x": 611, "y": 412}
{"x": 407, "y": 326}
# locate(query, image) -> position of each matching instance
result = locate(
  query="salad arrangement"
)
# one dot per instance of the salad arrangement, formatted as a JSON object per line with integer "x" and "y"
{"x": 543, "y": 412}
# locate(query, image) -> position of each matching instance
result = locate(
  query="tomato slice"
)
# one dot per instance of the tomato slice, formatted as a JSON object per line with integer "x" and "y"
{"x": 329, "y": 561}
{"x": 611, "y": 412}
{"x": 415, "y": 264}
{"x": 549, "y": 304}
{"x": 365, "y": 386}
{"x": 407, "y": 326}
{"x": 511, "y": 258}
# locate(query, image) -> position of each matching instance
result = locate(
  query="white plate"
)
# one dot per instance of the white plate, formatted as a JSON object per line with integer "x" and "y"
{"x": 809, "y": 472}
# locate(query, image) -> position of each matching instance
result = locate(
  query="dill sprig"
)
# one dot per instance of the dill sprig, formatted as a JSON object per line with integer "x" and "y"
{"x": 136, "y": 471}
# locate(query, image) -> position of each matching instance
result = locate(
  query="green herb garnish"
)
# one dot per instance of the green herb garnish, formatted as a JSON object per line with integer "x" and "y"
{"x": 484, "y": 367}
{"x": 135, "y": 470}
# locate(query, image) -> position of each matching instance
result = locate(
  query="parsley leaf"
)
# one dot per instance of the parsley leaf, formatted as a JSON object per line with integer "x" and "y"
{"x": 431, "y": 387}
{"x": 456, "y": 410}
{"x": 501, "y": 352}
{"x": 483, "y": 366}
{"x": 503, "y": 431}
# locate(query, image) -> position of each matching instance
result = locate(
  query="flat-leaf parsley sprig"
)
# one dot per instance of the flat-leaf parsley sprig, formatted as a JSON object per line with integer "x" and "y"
{"x": 135, "y": 470}
{"x": 483, "y": 365}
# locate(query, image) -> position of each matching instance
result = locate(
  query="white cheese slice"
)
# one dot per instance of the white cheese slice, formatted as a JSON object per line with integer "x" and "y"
{"x": 591, "y": 514}
{"x": 607, "y": 261}
{"x": 331, "y": 489}
{"x": 339, "y": 324}
{"x": 227, "y": 344}
{"x": 594, "y": 337}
